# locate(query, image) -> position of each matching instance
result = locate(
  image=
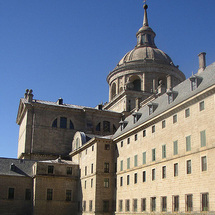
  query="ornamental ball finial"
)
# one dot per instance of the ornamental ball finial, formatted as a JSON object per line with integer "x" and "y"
{"x": 145, "y": 6}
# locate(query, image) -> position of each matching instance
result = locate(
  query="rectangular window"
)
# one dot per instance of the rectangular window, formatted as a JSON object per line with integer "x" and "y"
{"x": 90, "y": 205}
{"x": 84, "y": 205}
{"x": 121, "y": 165}
{"x": 69, "y": 170}
{"x": 153, "y": 204}
{"x": 106, "y": 167}
{"x": 187, "y": 112}
{"x": 164, "y": 124}
{"x": 92, "y": 168}
{"x": 128, "y": 179}
{"x": 63, "y": 122}
{"x": 121, "y": 143}
{"x": 175, "y": 169}
{"x": 205, "y": 202}
{"x": 128, "y": 163}
{"x": 92, "y": 148}
{"x": 49, "y": 194}
{"x": 164, "y": 203}
{"x": 135, "y": 160}
{"x": 153, "y": 154}
{"x": 121, "y": 181}
{"x": 144, "y": 176}
{"x": 175, "y": 205}
{"x": 144, "y": 157}
{"x": 135, "y": 205}
{"x": 189, "y": 167}
{"x": 106, "y": 182}
{"x": 135, "y": 137}
{"x": 27, "y": 194}
{"x": 153, "y": 129}
{"x": 11, "y": 192}
{"x": 68, "y": 195}
{"x": 128, "y": 141}
{"x": 201, "y": 105}
{"x": 175, "y": 147}
{"x": 203, "y": 138}
{"x": 91, "y": 182}
{"x": 189, "y": 202}
{"x": 107, "y": 146}
{"x": 120, "y": 205}
{"x": 85, "y": 170}
{"x": 85, "y": 184}
{"x": 50, "y": 169}
{"x": 135, "y": 178}
{"x": 175, "y": 118}
{"x": 127, "y": 206}
{"x": 105, "y": 206}
{"x": 153, "y": 174}
{"x": 143, "y": 204}
{"x": 144, "y": 133}
{"x": 164, "y": 172}
{"x": 163, "y": 151}
{"x": 204, "y": 163}
{"x": 188, "y": 143}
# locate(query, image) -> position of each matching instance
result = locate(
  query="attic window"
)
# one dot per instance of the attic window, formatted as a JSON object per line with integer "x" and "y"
{"x": 12, "y": 167}
{"x": 171, "y": 96}
{"x": 123, "y": 124}
{"x": 136, "y": 116}
{"x": 152, "y": 107}
{"x": 195, "y": 81}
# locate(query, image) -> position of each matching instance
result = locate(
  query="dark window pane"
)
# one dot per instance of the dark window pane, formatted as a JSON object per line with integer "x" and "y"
{"x": 63, "y": 122}
{"x": 54, "y": 124}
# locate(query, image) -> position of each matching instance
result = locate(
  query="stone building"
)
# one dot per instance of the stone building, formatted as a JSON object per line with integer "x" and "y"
{"x": 149, "y": 150}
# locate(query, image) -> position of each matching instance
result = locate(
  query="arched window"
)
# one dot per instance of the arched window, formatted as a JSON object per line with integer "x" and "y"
{"x": 71, "y": 126}
{"x": 98, "y": 127}
{"x": 106, "y": 126}
{"x": 113, "y": 90}
{"x": 54, "y": 124}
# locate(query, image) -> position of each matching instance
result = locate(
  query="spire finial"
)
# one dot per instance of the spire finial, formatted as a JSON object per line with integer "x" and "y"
{"x": 145, "y": 20}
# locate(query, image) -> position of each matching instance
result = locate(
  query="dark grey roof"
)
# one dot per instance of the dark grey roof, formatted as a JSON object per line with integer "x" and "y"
{"x": 21, "y": 167}
{"x": 184, "y": 92}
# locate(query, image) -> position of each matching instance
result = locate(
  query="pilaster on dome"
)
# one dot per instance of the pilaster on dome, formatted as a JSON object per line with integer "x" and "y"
{"x": 145, "y": 35}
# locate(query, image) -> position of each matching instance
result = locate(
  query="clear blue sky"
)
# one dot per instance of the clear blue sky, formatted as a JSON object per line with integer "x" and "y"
{"x": 66, "y": 48}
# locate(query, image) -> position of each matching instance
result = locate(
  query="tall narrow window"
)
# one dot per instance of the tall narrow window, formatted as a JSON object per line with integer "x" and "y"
{"x": 90, "y": 205}
{"x": 85, "y": 170}
{"x": 49, "y": 194}
{"x": 204, "y": 163}
{"x": 201, "y": 106}
{"x": 164, "y": 172}
{"x": 120, "y": 205}
{"x": 128, "y": 141}
{"x": 128, "y": 163}
{"x": 50, "y": 169}
{"x": 163, "y": 203}
{"x": 144, "y": 133}
{"x": 68, "y": 195}
{"x": 128, "y": 179}
{"x": 175, "y": 118}
{"x": 175, "y": 169}
{"x": 121, "y": 181}
{"x": 11, "y": 193}
{"x": 54, "y": 124}
{"x": 135, "y": 160}
{"x": 153, "y": 154}
{"x": 163, "y": 151}
{"x": 63, "y": 122}
{"x": 153, "y": 129}
{"x": 121, "y": 165}
{"x": 189, "y": 167}
{"x": 203, "y": 138}
{"x": 188, "y": 143}
{"x": 135, "y": 178}
{"x": 205, "y": 202}
{"x": 135, "y": 205}
{"x": 187, "y": 112}
{"x": 135, "y": 137}
{"x": 106, "y": 182}
{"x": 28, "y": 194}
{"x": 175, "y": 206}
{"x": 91, "y": 182}
{"x": 69, "y": 170}
{"x": 189, "y": 202}
{"x": 121, "y": 143}
{"x": 153, "y": 204}
{"x": 164, "y": 124}
{"x": 92, "y": 168}
{"x": 106, "y": 168}
{"x": 71, "y": 126}
{"x": 143, "y": 204}
{"x": 98, "y": 127}
{"x": 144, "y": 157}
{"x": 106, "y": 126}
{"x": 144, "y": 176}
{"x": 175, "y": 147}
{"x": 127, "y": 207}
{"x": 84, "y": 205}
{"x": 105, "y": 205}
{"x": 153, "y": 174}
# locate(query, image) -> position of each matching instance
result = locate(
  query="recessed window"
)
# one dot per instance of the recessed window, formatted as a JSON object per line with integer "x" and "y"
{"x": 71, "y": 126}
{"x": 187, "y": 112}
{"x": 189, "y": 202}
{"x": 189, "y": 170}
{"x": 143, "y": 204}
{"x": 63, "y": 122}
{"x": 204, "y": 163}
{"x": 127, "y": 205}
{"x": 85, "y": 184}
{"x": 175, "y": 147}
{"x": 135, "y": 137}
{"x": 136, "y": 116}
{"x": 201, "y": 105}
{"x": 163, "y": 151}
{"x": 121, "y": 165}
{"x": 144, "y": 157}
{"x": 120, "y": 205}
{"x": 135, "y": 205}
{"x": 203, "y": 138}
{"x": 27, "y": 194}
{"x": 90, "y": 205}
{"x": 205, "y": 202}
{"x": 144, "y": 133}
{"x": 106, "y": 182}
{"x": 98, "y": 127}
{"x": 164, "y": 124}
{"x": 92, "y": 147}
{"x": 153, "y": 154}
{"x": 106, "y": 167}
{"x": 135, "y": 160}
{"x": 68, "y": 195}
{"x": 128, "y": 163}
{"x": 164, "y": 172}
{"x": 107, "y": 146}
{"x": 144, "y": 176}
{"x": 128, "y": 141}
{"x": 84, "y": 205}
{"x": 50, "y": 169}
{"x": 135, "y": 178}
{"x": 85, "y": 170}
{"x": 121, "y": 143}
{"x": 153, "y": 204}
{"x": 175, "y": 169}
{"x": 91, "y": 168}
{"x": 188, "y": 143}
{"x": 164, "y": 203}
{"x": 175, "y": 205}
{"x": 153, "y": 129}
{"x": 11, "y": 192}
{"x": 106, "y": 126}
{"x": 170, "y": 98}
{"x": 49, "y": 194}
{"x": 54, "y": 124}
{"x": 121, "y": 181}
{"x": 153, "y": 174}
{"x": 175, "y": 118}
{"x": 91, "y": 184}
{"x": 128, "y": 179}
{"x": 69, "y": 170}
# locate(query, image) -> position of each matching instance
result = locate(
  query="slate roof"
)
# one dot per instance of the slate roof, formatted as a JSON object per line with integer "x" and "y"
{"x": 184, "y": 92}
{"x": 22, "y": 167}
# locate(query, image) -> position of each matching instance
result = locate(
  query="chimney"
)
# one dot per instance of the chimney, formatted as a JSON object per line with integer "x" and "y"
{"x": 202, "y": 62}
{"x": 28, "y": 95}
{"x": 137, "y": 103}
{"x": 169, "y": 82}
{"x": 60, "y": 101}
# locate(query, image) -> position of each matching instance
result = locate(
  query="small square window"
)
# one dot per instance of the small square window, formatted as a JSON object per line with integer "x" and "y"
{"x": 175, "y": 118}
{"x": 201, "y": 105}
{"x": 107, "y": 146}
{"x": 164, "y": 124}
{"x": 187, "y": 112}
{"x": 153, "y": 129}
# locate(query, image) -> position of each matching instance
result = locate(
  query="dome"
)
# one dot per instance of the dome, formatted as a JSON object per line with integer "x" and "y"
{"x": 146, "y": 54}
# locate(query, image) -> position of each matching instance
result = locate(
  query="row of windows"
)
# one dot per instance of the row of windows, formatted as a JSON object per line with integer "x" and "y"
{"x": 106, "y": 205}
{"x": 164, "y": 171}
{"x": 11, "y": 193}
{"x": 163, "y": 204}
{"x": 51, "y": 170}
{"x": 63, "y": 123}
{"x": 152, "y": 108}
{"x": 106, "y": 168}
{"x": 68, "y": 195}
{"x": 164, "y": 150}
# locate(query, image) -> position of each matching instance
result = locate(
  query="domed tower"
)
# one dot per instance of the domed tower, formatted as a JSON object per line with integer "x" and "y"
{"x": 141, "y": 72}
